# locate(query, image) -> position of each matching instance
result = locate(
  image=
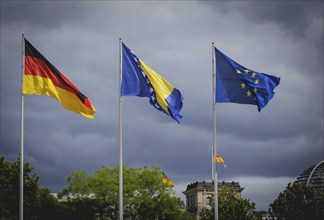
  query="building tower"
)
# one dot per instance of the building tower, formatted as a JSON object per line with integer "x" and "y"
{"x": 199, "y": 195}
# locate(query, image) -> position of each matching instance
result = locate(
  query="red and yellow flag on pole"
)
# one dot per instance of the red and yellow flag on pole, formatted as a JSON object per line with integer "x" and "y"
{"x": 219, "y": 159}
{"x": 42, "y": 78}
{"x": 165, "y": 179}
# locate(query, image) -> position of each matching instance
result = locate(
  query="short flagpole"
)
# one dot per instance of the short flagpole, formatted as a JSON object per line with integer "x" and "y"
{"x": 21, "y": 194}
{"x": 121, "y": 212}
{"x": 214, "y": 133}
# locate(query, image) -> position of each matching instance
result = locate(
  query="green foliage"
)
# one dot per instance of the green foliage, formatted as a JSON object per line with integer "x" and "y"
{"x": 145, "y": 195}
{"x": 231, "y": 206}
{"x": 298, "y": 202}
{"x": 38, "y": 202}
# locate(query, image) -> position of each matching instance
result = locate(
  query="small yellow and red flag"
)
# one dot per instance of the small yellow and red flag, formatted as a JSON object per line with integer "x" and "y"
{"x": 219, "y": 159}
{"x": 165, "y": 179}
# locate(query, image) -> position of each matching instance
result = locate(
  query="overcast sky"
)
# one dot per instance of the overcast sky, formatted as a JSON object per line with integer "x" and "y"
{"x": 264, "y": 150}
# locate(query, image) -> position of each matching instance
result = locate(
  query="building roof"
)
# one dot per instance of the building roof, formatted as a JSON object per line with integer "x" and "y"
{"x": 210, "y": 186}
{"x": 316, "y": 174}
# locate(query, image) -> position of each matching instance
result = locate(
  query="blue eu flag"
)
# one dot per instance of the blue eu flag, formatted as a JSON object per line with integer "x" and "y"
{"x": 237, "y": 84}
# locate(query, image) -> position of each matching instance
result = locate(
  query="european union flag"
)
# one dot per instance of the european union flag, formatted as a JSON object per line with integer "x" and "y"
{"x": 235, "y": 83}
{"x": 138, "y": 79}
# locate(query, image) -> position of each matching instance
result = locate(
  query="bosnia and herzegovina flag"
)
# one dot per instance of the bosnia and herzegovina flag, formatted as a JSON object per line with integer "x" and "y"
{"x": 138, "y": 79}
{"x": 235, "y": 83}
{"x": 42, "y": 78}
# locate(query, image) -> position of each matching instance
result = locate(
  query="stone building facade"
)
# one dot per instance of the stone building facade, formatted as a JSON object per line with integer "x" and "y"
{"x": 199, "y": 195}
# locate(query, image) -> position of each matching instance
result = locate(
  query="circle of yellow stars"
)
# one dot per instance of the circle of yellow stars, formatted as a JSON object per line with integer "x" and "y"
{"x": 255, "y": 79}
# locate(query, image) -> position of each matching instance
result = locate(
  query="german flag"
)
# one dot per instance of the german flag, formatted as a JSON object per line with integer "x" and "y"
{"x": 219, "y": 159}
{"x": 42, "y": 78}
{"x": 166, "y": 180}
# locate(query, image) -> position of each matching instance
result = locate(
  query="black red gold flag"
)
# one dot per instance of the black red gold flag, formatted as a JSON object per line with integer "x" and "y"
{"x": 42, "y": 78}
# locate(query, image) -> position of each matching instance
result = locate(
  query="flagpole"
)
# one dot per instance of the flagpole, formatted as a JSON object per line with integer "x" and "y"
{"x": 121, "y": 212}
{"x": 214, "y": 133}
{"x": 21, "y": 194}
{"x": 213, "y": 163}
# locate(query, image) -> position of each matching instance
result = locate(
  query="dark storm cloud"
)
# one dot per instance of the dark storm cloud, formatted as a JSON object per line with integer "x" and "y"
{"x": 293, "y": 16}
{"x": 52, "y": 14}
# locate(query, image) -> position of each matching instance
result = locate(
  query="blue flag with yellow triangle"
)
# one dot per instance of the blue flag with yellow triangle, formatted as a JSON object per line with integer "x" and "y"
{"x": 237, "y": 84}
{"x": 138, "y": 79}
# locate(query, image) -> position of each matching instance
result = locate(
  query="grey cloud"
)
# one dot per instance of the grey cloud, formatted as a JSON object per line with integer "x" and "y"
{"x": 39, "y": 14}
{"x": 294, "y": 16}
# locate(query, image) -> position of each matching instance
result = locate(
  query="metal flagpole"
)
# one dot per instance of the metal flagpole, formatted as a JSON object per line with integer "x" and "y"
{"x": 213, "y": 163}
{"x": 121, "y": 212}
{"x": 21, "y": 194}
{"x": 214, "y": 133}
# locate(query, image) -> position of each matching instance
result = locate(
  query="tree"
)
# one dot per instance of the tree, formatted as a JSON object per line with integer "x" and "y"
{"x": 38, "y": 202}
{"x": 231, "y": 206}
{"x": 298, "y": 202}
{"x": 145, "y": 195}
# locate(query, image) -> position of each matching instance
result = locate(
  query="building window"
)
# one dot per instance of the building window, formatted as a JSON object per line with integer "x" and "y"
{"x": 208, "y": 202}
